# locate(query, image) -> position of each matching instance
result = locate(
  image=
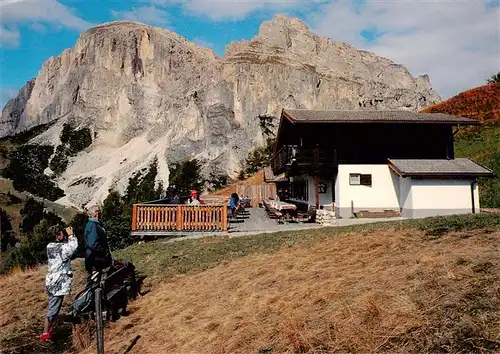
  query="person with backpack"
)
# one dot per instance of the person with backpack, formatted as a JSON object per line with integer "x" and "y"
{"x": 59, "y": 275}
{"x": 97, "y": 253}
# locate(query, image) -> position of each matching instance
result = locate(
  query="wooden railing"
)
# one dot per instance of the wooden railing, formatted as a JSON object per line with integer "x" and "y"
{"x": 302, "y": 157}
{"x": 172, "y": 217}
{"x": 282, "y": 159}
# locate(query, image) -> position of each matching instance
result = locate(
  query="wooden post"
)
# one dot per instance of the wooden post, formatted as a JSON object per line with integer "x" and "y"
{"x": 179, "y": 218}
{"x": 99, "y": 322}
{"x": 134, "y": 217}
{"x": 316, "y": 182}
{"x": 316, "y": 190}
{"x": 224, "y": 218}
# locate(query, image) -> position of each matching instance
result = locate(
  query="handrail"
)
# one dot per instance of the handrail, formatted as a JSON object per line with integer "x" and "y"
{"x": 175, "y": 217}
{"x": 282, "y": 157}
{"x": 285, "y": 156}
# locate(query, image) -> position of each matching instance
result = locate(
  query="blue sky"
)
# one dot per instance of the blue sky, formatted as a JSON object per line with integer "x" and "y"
{"x": 456, "y": 42}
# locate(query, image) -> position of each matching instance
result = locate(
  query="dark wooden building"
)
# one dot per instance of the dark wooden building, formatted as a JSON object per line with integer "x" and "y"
{"x": 312, "y": 144}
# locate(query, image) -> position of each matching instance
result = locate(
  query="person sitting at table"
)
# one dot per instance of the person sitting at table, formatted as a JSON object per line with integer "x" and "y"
{"x": 233, "y": 204}
{"x": 193, "y": 199}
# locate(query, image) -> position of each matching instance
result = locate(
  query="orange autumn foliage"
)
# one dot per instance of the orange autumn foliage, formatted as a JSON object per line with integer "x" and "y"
{"x": 481, "y": 103}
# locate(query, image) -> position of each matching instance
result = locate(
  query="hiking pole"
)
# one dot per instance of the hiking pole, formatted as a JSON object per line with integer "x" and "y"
{"x": 99, "y": 322}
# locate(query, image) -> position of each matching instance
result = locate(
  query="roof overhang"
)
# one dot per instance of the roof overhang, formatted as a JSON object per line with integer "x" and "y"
{"x": 349, "y": 117}
{"x": 442, "y": 174}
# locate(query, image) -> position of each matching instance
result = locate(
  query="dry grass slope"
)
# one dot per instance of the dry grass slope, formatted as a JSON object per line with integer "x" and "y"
{"x": 23, "y": 304}
{"x": 256, "y": 179}
{"x": 382, "y": 291}
{"x": 416, "y": 286}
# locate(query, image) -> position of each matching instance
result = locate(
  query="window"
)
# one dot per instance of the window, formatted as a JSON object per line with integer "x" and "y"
{"x": 300, "y": 189}
{"x": 358, "y": 179}
{"x": 366, "y": 180}
{"x": 354, "y": 179}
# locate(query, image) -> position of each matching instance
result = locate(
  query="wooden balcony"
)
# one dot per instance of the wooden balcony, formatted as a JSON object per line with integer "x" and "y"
{"x": 289, "y": 157}
{"x": 173, "y": 218}
{"x": 282, "y": 160}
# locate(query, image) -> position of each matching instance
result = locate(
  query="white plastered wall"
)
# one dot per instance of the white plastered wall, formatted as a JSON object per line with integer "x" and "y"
{"x": 383, "y": 194}
{"x": 433, "y": 197}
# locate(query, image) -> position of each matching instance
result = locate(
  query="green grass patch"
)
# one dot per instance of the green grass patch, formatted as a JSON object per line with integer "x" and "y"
{"x": 483, "y": 146}
{"x": 160, "y": 260}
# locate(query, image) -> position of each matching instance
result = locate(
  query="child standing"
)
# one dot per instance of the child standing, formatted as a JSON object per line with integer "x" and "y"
{"x": 59, "y": 275}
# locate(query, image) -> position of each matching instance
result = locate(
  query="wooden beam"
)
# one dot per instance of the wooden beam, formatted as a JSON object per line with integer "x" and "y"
{"x": 395, "y": 169}
{"x": 134, "y": 217}
{"x": 179, "y": 218}
{"x": 224, "y": 218}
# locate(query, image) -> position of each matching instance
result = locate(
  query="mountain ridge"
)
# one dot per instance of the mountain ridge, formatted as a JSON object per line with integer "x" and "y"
{"x": 148, "y": 93}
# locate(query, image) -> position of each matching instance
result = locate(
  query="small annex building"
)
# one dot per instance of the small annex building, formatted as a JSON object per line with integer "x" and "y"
{"x": 384, "y": 163}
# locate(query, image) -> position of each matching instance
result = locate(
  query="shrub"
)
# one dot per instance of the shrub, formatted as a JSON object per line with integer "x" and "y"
{"x": 78, "y": 224}
{"x": 73, "y": 141}
{"x": 60, "y": 161}
{"x": 26, "y": 170}
{"x": 116, "y": 219}
{"x": 80, "y": 139}
{"x": 186, "y": 176}
{"x": 257, "y": 159}
{"x": 495, "y": 78}
{"x": 112, "y": 205}
{"x": 66, "y": 133}
{"x": 7, "y": 235}
{"x": 216, "y": 182}
{"x": 32, "y": 251}
{"x": 33, "y": 213}
{"x": 141, "y": 187}
{"x": 266, "y": 124}
{"x": 38, "y": 241}
{"x": 118, "y": 232}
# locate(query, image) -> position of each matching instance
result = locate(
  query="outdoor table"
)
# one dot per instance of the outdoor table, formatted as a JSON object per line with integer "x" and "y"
{"x": 285, "y": 206}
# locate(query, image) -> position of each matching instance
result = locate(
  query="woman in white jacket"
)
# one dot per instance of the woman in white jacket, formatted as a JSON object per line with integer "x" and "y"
{"x": 59, "y": 275}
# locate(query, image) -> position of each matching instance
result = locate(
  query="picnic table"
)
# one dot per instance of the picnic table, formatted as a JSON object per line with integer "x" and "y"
{"x": 280, "y": 210}
{"x": 283, "y": 206}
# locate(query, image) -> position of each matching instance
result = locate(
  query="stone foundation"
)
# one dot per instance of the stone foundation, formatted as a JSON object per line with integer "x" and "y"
{"x": 325, "y": 217}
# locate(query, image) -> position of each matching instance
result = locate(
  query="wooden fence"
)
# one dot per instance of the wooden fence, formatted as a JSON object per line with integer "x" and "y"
{"x": 257, "y": 193}
{"x": 171, "y": 217}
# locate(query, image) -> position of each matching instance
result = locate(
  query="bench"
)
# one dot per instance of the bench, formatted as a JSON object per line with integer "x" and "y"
{"x": 273, "y": 213}
{"x": 309, "y": 216}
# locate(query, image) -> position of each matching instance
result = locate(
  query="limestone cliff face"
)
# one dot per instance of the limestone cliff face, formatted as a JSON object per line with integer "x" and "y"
{"x": 145, "y": 92}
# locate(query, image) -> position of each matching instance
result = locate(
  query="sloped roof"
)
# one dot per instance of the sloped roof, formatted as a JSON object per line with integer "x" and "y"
{"x": 457, "y": 167}
{"x": 372, "y": 116}
{"x": 270, "y": 177}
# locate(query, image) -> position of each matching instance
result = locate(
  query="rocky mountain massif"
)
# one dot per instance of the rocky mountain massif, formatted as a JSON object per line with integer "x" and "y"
{"x": 146, "y": 92}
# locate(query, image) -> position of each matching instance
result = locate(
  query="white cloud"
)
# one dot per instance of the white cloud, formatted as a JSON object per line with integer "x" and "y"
{"x": 9, "y": 38}
{"x": 146, "y": 14}
{"x": 16, "y": 12}
{"x": 235, "y": 9}
{"x": 456, "y": 43}
{"x": 38, "y": 27}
